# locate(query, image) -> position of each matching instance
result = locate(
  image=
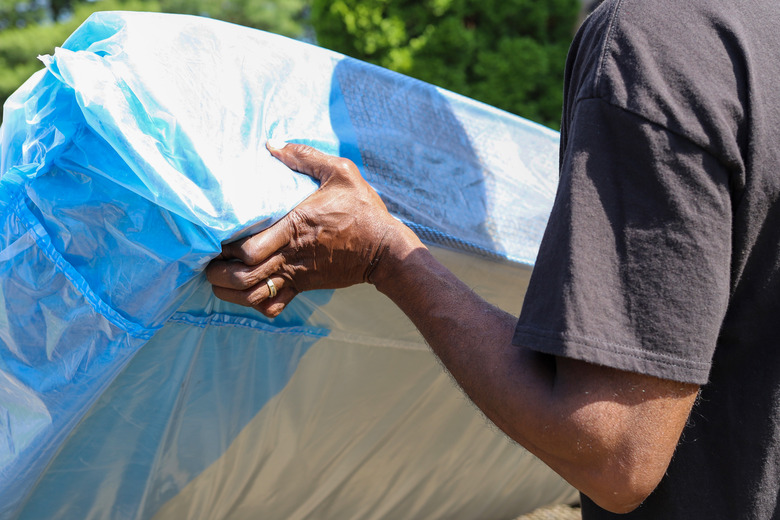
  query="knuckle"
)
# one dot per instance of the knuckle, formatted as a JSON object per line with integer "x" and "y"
{"x": 243, "y": 256}
{"x": 274, "y": 311}
{"x": 236, "y": 279}
{"x": 340, "y": 163}
{"x": 344, "y": 166}
{"x": 296, "y": 148}
{"x": 297, "y": 225}
{"x": 240, "y": 279}
{"x": 304, "y": 151}
{"x": 301, "y": 153}
{"x": 254, "y": 298}
{"x": 294, "y": 219}
{"x": 246, "y": 254}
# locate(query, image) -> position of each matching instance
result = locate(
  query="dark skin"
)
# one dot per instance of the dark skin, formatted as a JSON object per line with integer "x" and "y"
{"x": 610, "y": 433}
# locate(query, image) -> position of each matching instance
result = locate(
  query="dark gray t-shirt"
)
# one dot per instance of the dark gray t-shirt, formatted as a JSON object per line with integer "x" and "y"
{"x": 662, "y": 254}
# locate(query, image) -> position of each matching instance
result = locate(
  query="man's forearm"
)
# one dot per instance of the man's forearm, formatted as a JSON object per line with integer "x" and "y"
{"x": 610, "y": 433}
{"x": 567, "y": 419}
{"x": 471, "y": 337}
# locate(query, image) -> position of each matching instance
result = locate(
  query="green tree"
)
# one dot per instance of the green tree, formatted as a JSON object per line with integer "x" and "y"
{"x": 22, "y": 43}
{"x": 507, "y": 53}
{"x": 33, "y": 27}
{"x": 285, "y": 17}
{"x": 19, "y": 14}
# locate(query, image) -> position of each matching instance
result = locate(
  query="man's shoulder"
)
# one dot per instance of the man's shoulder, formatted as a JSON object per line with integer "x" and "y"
{"x": 656, "y": 44}
{"x": 681, "y": 65}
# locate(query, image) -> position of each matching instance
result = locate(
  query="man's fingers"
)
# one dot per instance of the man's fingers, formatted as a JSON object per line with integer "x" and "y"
{"x": 311, "y": 161}
{"x": 255, "y": 249}
{"x": 239, "y": 276}
{"x": 272, "y": 307}
{"x": 273, "y": 288}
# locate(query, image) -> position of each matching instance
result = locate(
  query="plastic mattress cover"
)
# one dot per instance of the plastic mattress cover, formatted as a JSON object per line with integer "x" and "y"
{"x": 128, "y": 391}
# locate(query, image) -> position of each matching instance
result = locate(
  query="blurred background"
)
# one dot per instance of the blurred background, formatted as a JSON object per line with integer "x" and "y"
{"x": 507, "y": 53}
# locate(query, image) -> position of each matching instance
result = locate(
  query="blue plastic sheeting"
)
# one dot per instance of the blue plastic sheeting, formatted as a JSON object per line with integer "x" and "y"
{"x": 123, "y": 167}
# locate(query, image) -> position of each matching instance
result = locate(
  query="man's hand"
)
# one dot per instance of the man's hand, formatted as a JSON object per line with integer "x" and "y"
{"x": 335, "y": 238}
{"x": 609, "y": 432}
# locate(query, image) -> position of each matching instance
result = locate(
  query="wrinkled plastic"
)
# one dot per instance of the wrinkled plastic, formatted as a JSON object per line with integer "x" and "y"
{"x": 128, "y": 391}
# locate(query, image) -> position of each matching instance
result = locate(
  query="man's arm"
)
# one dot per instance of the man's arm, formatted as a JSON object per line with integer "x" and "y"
{"x": 610, "y": 433}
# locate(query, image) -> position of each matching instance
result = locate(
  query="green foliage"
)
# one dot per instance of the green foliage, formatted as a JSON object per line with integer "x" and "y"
{"x": 19, "y": 14}
{"x": 34, "y": 27}
{"x": 23, "y": 43}
{"x": 507, "y": 53}
{"x": 285, "y": 17}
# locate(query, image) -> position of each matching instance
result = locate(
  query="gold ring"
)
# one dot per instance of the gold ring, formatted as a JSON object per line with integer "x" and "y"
{"x": 271, "y": 287}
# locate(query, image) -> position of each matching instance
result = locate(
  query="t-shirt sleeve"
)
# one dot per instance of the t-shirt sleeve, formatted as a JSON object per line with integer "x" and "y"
{"x": 634, "y": 268}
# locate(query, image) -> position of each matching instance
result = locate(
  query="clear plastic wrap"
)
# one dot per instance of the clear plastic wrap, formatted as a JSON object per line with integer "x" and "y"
{"x": 128, "y": 391}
